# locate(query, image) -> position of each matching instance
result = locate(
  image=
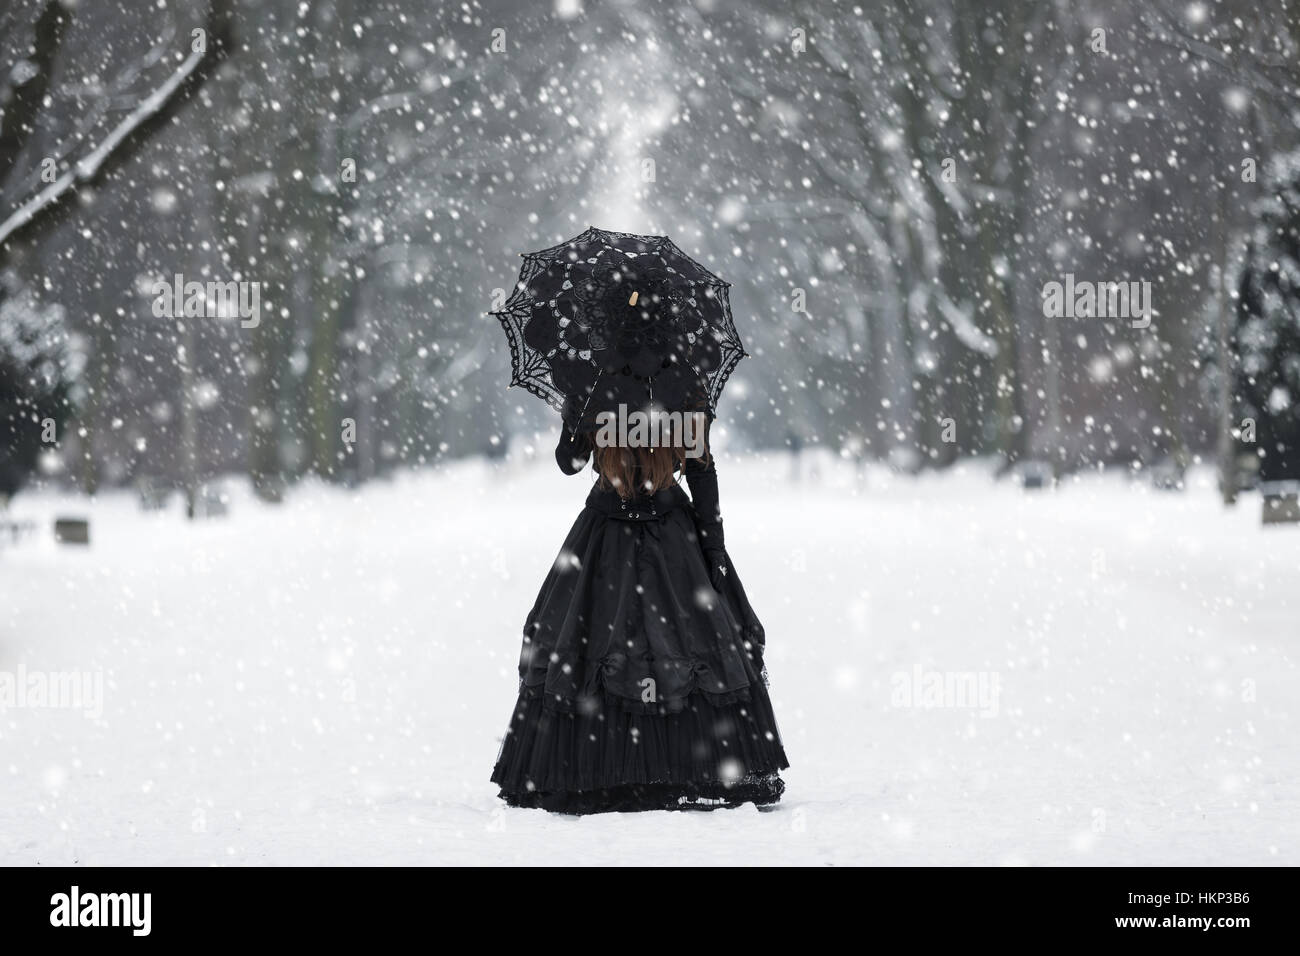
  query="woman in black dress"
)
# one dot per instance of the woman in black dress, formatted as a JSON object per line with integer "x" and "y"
{"x": 642, "y": 684}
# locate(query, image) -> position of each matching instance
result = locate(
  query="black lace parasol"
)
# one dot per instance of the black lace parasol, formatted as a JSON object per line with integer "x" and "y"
{"x": 610, "y": 318}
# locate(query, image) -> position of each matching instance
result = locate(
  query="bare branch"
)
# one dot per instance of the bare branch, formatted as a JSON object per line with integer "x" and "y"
{"x": 87, "y": 168}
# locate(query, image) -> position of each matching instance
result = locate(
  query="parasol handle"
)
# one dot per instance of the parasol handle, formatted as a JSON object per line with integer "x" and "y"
{"x": 587, "y": 402}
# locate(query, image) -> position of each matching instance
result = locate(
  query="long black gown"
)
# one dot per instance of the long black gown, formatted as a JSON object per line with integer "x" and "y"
{"x": 642, "y": 686}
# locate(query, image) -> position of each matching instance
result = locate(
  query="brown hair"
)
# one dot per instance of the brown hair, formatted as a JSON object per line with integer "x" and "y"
{"x": 648, "y": 469}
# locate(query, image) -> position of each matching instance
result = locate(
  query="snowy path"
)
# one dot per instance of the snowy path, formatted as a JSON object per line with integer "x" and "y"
{"x": 326, "y": 682}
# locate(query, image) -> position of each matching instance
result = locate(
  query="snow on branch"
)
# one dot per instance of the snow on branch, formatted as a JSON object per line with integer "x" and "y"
{"x": 86, "y": 168}
{"x": 963, "y": 325}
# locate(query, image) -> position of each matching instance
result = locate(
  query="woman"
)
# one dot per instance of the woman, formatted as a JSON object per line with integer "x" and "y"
{"x": 642, "y": 684}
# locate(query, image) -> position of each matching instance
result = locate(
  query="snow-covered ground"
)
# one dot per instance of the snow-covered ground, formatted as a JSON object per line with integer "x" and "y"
{"x": 327, "y": 681}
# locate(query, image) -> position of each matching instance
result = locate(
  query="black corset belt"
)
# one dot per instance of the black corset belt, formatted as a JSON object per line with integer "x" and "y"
{"x": 638, "y": 508}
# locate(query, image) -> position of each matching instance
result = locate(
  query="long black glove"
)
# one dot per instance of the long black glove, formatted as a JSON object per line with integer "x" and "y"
{"x": 702, "y": 477}
{"x": 717, "y": 562}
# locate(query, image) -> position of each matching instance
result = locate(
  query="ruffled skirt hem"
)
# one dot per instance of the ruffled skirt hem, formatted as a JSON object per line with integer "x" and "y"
{"x": 763, "y": 790}
{"x": 600, "y": 747}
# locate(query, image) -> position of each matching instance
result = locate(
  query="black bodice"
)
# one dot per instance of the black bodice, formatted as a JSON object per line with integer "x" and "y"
{"x": 572, "y": 453}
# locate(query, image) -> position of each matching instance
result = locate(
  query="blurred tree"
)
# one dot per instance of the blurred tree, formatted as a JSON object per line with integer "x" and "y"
{"x": 37, "y": 371}
{"x": 1267, "y": 341}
